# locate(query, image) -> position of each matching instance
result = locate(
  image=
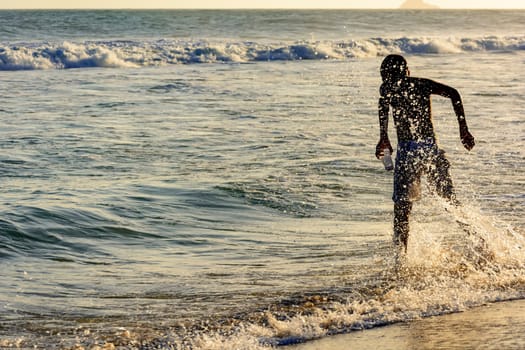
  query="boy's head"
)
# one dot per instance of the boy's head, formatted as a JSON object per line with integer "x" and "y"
{"x": 394, "y": 68}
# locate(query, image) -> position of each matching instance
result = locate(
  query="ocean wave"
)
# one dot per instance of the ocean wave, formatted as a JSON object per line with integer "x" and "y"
{"x": 62, "y": 234}
{"x": 127, "y": 54}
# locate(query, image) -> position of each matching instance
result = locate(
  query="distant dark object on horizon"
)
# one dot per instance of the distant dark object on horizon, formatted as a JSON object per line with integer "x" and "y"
{"x": 417, "y": 4}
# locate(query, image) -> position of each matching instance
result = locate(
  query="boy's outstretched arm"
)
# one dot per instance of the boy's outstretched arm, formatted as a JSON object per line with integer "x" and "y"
{"x": 446, "y": 91}
{"x": 384, "y": 142}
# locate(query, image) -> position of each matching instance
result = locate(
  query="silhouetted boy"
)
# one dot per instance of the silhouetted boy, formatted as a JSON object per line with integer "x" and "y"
{"x": 417, "y": 151}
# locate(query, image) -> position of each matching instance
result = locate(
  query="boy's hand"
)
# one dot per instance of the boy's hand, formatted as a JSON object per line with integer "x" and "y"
{"x": 383, "y": 143}
{"x": 467, "y": 139}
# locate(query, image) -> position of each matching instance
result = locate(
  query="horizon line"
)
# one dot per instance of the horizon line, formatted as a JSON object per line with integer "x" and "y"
{"x": 258, "y": 8}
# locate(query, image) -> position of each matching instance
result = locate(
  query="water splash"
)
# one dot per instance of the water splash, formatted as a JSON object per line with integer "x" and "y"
{"x": 482, "y": 263}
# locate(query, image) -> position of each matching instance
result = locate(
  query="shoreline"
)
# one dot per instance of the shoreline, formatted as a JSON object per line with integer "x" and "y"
{"x": 498, "y": 325}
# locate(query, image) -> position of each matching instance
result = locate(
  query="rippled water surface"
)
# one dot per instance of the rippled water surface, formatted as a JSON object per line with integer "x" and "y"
{"x": 236, "y": 204}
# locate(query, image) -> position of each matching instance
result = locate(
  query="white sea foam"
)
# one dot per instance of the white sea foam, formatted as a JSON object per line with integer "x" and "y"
{"x": 114, "y": 54}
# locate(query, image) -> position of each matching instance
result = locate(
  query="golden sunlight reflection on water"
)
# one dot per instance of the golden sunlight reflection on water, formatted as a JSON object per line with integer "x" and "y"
{"x": 494, "y": 326}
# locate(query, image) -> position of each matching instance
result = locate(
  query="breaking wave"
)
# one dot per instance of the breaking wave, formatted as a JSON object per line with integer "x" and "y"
{"x": 127, "y": 54}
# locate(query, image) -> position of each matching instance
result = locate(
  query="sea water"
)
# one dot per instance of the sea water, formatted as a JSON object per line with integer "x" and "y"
{"x": 207, "y": 179}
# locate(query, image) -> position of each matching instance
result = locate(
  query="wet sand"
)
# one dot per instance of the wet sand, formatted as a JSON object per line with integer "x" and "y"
{"x": 494, "y": 326}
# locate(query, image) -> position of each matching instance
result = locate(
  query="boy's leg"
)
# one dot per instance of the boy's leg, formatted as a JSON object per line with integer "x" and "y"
{"x": 401, "y": 216}
{"x": 439, "y": 177}
{"x": 406, "y": 177}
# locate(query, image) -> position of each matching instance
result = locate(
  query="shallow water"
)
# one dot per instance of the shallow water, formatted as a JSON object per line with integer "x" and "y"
{"x": 233, "y": 205}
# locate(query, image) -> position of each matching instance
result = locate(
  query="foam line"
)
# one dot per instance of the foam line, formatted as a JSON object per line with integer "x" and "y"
{"x": 124, "y": 54}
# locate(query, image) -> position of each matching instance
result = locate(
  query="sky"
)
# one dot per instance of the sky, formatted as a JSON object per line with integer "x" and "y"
{"x": 42, "y": 4}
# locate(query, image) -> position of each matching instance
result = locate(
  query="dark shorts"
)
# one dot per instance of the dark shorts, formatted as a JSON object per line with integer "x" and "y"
{"x": 415, "y": 159}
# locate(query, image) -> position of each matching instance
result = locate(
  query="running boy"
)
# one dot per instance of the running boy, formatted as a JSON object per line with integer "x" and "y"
{"x": 417, "y": 151}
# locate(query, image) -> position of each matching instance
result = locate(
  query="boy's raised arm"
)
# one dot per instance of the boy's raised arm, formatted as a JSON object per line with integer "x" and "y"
{"x": 447, "y": 91}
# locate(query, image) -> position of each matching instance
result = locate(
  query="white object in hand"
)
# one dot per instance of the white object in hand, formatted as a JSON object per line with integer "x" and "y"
{"x": 387, "y": 159}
